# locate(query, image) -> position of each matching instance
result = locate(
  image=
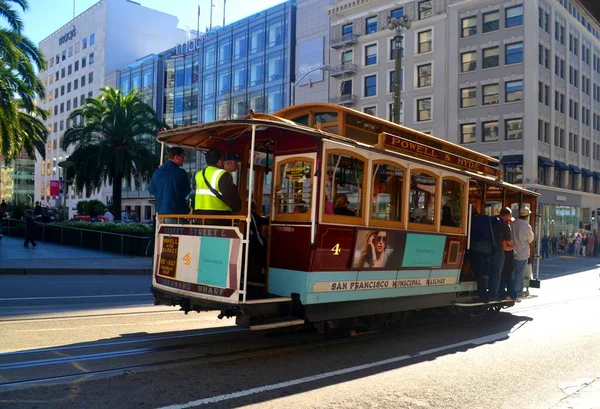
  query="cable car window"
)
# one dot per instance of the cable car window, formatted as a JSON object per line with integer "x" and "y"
{"x": 326, "y": 121}
{"x": 387, "y": 194}
{"x": 294, "y": 189}
{"x": 422, "y": 198}
{"x": 453, "y": 193}
{"x": 345, "y": 180}
{"x": 301, "y": 120}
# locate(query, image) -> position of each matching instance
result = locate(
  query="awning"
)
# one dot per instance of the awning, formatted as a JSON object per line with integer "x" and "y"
{"x": 544, "y": 161}
{"x": 587, "y": 173}
{"x": 597, "y": 175}
{"x": 560, "y": 165}
{"x": 575, "y": 169}
{"x": 512, "y": 160}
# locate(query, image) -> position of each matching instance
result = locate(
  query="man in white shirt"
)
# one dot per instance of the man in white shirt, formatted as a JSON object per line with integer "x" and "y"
{"x": 522, "y": 237}
{"x": 108, "y": 216}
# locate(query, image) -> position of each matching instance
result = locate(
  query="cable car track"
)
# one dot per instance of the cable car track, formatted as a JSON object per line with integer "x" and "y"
{"x": 225, "y": 338}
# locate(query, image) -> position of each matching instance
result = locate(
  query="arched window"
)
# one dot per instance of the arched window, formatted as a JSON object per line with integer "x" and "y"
{"x": 422, "y": 200}
{"x": 294, "y": 189}
{"x": 454, "y": 205}
{"x": 387, "y": 194}
{"x": 345, "y": 185}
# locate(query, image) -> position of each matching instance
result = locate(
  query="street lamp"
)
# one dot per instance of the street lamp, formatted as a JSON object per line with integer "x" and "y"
{"x": 294, "y": 83}
{"x": 397, "y": 24}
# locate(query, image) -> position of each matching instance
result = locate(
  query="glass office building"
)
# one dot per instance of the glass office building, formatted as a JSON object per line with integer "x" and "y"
{"x": 245, "y": 65}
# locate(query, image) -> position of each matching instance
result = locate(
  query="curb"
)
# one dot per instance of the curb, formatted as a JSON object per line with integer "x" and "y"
{"x": 75, "y": 271}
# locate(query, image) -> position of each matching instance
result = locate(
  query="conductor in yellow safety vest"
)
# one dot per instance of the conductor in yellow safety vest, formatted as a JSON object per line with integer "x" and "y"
{"x": 216, "y": 194}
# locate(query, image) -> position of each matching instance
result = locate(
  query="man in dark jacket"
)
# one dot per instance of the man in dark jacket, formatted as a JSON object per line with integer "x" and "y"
{"x": 170, "y": 184}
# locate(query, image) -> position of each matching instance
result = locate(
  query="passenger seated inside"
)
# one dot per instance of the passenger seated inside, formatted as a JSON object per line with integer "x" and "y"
{"x": 301, "y": 207}
{"x": 340, "y": 205}
{"x": 447, "y": 217}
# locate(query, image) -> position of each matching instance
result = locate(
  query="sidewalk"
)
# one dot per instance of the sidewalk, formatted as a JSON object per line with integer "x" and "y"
{"x": 587, "y": 397}
{"x": 49, "y": 258}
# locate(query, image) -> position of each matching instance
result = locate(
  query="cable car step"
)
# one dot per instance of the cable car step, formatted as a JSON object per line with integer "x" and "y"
{"x": 269, "y": 300}
{"x": 479, "y": 304}
{"x": 281, "y": 323}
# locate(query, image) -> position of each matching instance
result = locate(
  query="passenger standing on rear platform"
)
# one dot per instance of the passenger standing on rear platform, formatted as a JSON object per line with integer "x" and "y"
{"x": 216, "y": 194}
{"x": 170, "y": 185}
{"x": 501, "y": 235}
{"x": 481, "y": 252}
{"x": 522, "y": 237}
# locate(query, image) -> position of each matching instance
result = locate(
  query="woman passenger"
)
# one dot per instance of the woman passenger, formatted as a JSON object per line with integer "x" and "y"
{"x": 340, "y": 205}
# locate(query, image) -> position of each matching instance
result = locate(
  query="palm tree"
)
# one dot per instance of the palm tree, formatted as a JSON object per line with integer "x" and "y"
{"x": 20, "y": 125}
{"x": 115, "y": 141}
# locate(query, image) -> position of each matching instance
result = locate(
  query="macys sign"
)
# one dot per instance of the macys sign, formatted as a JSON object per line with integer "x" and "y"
{"x": 68, "y": 36}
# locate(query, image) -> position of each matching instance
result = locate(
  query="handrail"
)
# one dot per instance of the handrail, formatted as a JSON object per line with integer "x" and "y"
{"x": 201, "y": 216}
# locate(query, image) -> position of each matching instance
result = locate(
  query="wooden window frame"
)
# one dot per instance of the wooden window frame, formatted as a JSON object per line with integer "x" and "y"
{"x": 292, "y": 217}
{"x": 437, "y": 201}
{"x": 465, "y": 206}
{"x": 396, "y": 224}
{"x": 334, "y": 218}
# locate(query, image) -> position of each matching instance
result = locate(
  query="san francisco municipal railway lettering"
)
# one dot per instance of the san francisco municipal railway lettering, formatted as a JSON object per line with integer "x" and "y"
{"x": 381, "y": 284}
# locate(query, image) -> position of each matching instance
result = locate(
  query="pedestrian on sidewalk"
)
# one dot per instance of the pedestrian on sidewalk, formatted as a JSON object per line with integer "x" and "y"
{"x": 30, "y": 229}
{"x": 591, "y": 244}
{"x": 584, "y": 244}
{"x": 545, "y": 246}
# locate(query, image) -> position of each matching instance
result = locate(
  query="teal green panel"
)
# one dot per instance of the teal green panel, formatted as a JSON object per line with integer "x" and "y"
{"x": 284, "y": 282}
{"x": 376, "y": 275}
{"x": 213, "y": 261}
{"x": 423, "y": 250}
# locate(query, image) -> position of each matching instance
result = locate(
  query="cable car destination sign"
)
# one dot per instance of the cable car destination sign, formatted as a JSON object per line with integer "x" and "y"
{"x": 402, "y": 145}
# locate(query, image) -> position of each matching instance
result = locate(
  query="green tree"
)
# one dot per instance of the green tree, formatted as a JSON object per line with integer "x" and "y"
{"x": 115, "y": 141}
{"x": 20, "y": 125}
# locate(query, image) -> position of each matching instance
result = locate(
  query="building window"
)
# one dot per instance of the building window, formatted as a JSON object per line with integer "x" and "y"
{"x": 370, "y": 110}
{"x": 491, "y": 94}
{"x": 83, "y": 81}
{"x": 468, "y": 61}
{"x": 423, "y": 109}
{"x": 424, "y": 75}
{"x": 370, "y": 85}
{"x": 347, "y": 31}
{"x": 371, "y": 54}
{"x": 491, "y": 57}
{"x": 514, "y": 16}
{"x": 92, "y": 39}
{"x": 62, "y": 90}
{"x": 84, "y": 43}
{"x": 371, "y": 25}
{"x": 425, "y": 43}
{"x": 393, "y": 80}
{"x": 490, "y": 131}
{"x": 68, "y": 87}
{"x": 69, "y": 69}
{"x": 468, "y": 97}
{"x": 91, "y": 58}
{"x": 347, "y": 56}
{"x": 467, "y": 133}
{"x": 491, "y": 21}
{"x": 90, "y": 77}
{"x": 393, "y": 48}
{"x": 83, "y": 62}
{"x": 76, "y": 84}
{"x": 397, "y": 13}
{"x": 346, "y": 87}
{"x": 514, "y": 91}
{"x": 469, "y": 26}
{"x": 425, "y": 9}
{"x": 514, "y": 129}
{"x": 514, "y": 53}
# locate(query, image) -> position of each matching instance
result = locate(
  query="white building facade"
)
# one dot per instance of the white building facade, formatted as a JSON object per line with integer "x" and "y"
{"x": 107, "y": 36}
{"x": 517, "y": 80}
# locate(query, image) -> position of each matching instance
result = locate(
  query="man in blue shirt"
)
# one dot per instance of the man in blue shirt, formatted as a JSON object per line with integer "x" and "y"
{"x": 170, "y": 184}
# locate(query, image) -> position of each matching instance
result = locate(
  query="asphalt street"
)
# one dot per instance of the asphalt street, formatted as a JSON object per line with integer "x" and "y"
{"x": 542, "y": 353}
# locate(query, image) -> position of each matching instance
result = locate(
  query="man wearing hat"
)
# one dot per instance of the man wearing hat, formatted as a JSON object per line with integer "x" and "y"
{"x": 522, "y": 238}
{"x": 230, "y": 162}
{"x": 216, "y": 194}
